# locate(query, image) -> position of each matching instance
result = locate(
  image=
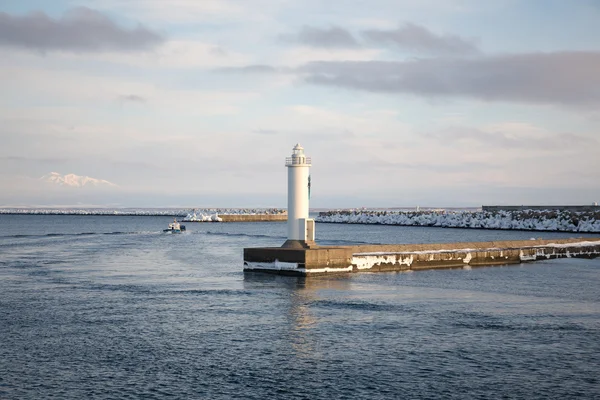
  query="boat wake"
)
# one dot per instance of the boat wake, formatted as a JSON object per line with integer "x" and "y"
{"x": 245, "y": 235}
{"x": 79, "y": 234}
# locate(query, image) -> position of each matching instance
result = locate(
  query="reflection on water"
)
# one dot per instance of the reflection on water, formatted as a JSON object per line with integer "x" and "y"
{"x": 302, "y": 323}
{"x": 302, "y": 294}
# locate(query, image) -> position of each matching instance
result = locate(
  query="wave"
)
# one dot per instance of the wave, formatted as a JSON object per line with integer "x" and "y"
{"x": 360, "y": 305}
{"x": 78, "y": 234}
{"x": 329, "y": 242}
{"x": 132, "y": 233}
{"x": 255, "y": 235}
{"x": 212, "y": 292}
{"x": 518, "y": 326}
{"x": 157, "y": 290}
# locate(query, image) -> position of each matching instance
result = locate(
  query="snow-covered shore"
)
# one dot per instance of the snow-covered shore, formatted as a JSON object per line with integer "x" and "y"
{"x": 172, "y": 212}
{"x": 535, "y": 220}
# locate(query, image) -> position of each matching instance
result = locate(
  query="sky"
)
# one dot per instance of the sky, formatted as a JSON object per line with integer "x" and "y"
{"x": 400, "y": 103}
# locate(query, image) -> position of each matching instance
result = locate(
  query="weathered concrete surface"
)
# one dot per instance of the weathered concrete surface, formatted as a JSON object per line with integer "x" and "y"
{"x": 403, "y": 257}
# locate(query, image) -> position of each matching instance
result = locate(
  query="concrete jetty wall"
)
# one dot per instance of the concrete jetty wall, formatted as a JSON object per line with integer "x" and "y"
{"x": 242, "y": 218}
{"x": 403, "y": 257}
{"x": 252, "y": 217}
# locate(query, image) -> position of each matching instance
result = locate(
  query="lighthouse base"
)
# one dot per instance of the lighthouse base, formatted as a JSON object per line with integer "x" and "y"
{"x": 299, "y": 244}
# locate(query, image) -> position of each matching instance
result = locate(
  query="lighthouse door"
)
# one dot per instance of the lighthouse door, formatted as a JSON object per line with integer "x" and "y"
{"x": 310, "y": 230}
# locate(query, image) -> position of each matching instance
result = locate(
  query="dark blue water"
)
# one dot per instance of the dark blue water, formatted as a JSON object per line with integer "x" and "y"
{"x": 111, "y": 308}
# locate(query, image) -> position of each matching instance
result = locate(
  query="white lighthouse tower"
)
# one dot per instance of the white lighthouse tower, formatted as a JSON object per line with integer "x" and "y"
{"x": 300, "y": 229}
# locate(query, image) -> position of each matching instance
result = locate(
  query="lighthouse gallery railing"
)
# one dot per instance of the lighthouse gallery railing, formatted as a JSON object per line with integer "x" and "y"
{"x": 297, "y": 161}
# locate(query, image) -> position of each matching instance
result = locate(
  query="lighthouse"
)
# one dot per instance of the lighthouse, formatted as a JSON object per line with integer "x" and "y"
{"x": 300, "y": 228}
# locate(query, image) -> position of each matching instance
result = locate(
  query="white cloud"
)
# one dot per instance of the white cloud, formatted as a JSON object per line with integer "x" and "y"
{"x": 190, "y": 11}
{"x": 324, "y": 121}
{"x": 173, "y": 54}
{"x": 179, "y": 54}
{"x": 376, "y": 150}
{"x": 91, "y": 91}
{"x": 174, "y": 10}
{"x": 117, "y": 116}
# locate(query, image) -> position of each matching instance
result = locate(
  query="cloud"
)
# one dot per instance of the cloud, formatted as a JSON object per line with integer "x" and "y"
{"x": 218, "y": 51}
{"x": 409, "y": 37}
{"x": 417, "y": 38}
{"x": 182, "y": 11}
{"x": 134, "y": 98}
{"x": 29, "y": 160}
{"x": 333, "y": 37}
{"x": 252, "y": 69}
{"x": 515, "y": 136}
{"x": 302, "y": 54}
{"x": 80, "y": 29}
{"x": 568, "y": 78}
{"x": 269, "y": 132}
{"x": 176, "y": 54}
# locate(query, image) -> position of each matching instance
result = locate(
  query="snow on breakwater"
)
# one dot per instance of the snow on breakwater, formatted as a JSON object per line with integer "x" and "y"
{"x": 199, "y": 217}
{"x": 535, "y": 220}
{"x": 172, "y": 212}
{"x": 208, "y": 216}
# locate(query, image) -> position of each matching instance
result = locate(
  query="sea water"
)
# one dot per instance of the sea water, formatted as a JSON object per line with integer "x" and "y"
{"x": 106, "y": 307}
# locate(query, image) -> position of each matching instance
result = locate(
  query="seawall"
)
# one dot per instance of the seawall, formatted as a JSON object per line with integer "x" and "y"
{"x": 531, "y": 220}
{"x": 542, "y": 208}
{"x": 250, "y": 218}
{"x": 318, "y": 260}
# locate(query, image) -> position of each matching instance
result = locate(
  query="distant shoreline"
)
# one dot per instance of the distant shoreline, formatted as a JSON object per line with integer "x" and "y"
{"x": 95, "y": 214}
{"x": 142, "y": 212}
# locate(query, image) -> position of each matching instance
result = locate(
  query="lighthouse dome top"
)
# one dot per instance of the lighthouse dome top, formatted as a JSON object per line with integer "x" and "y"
{"x": 298, "y": 158}
{"x": 298, "y": 150}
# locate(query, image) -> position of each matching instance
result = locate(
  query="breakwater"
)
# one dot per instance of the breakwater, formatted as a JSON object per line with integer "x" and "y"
{"x": 240, "y": 218}
{"x": 320, "y": 260}
{"x": 533, "y": 220}
{"x": 263, "y": 216}
{"x": 253, "y": 217}
{"x": 593, "y": 207}
{"x": 152, "y": 212}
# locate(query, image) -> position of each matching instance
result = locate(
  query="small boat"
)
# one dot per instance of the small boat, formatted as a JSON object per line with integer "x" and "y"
{"x": 175, "y": 227}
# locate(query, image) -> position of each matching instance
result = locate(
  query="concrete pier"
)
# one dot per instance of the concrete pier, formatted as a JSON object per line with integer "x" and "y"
{"x": 319, "y": 260}
{"x": 253, "y": 217}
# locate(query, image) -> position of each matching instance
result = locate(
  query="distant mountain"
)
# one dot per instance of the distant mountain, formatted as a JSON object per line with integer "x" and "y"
{"x": 72, "y": 180}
